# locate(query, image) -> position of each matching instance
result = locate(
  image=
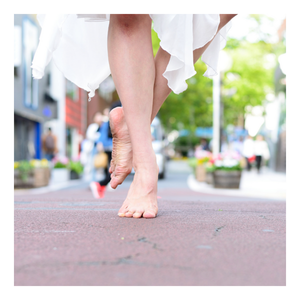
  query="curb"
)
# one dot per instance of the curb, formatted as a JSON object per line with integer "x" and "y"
{"x": 49, "y": 188}
{"x": 205, "y": 188}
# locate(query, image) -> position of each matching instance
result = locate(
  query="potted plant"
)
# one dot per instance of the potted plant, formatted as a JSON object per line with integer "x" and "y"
{"x": 227, "y": 171}
{"x": 203, "y": 157}
{"x": 76, "y": 169}
{"x": 60, "y": 172}
{"x": 33, "y": 173}
{"x": 209, "y": 169}
{"x": 192, "y": 162}
{"x": 199, "y": 167}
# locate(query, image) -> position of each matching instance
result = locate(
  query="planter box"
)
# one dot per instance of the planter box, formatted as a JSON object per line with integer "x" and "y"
{"x": 74, "y": 175}
{"x": 200, "y": 173}
{"x": 227, "y": 179}
{"x": 36, "y": 178}
{"x": 60, "y": 175}
{"x": 209, "y": 178}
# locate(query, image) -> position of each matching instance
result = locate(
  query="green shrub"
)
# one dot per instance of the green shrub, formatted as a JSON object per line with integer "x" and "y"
{"x": 233, "y": 168}
{"x": 75, "y": 166}
{"x": 184, "y": 143}
{"x": 24, "y": 167}
{"x": 60, "y": 165}
{"x": 210, "y": 168}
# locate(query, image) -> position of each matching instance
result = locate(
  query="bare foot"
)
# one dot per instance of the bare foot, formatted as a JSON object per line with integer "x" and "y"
{"x": 141, "y": 200}
{"x": 121, "y": 163}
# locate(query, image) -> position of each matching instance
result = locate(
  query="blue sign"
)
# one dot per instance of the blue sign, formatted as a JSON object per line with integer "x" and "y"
{"x": 184, "y": 132}
{"x": 47, "y": 112}
{"x": 205, "y": 132}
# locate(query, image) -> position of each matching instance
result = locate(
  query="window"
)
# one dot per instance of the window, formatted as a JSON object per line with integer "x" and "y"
{"x": 71, "y": 90}
{"x": 17, "y": 49}
{"x": 30, "y": 43}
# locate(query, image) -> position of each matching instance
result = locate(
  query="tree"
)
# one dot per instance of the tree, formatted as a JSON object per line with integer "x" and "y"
{"x": 249, "y": 77}
{"x": 252, "y": 73}
{"x": 248, "y": 82}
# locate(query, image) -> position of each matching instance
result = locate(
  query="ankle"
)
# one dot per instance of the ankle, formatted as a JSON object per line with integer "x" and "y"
{"x": 144, "y": 161}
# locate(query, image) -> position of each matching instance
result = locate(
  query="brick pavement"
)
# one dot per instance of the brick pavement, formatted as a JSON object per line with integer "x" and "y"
{"x": 68, "y": 238}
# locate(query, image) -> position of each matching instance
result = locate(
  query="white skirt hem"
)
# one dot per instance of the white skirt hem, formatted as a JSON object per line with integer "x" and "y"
{"x": 70, "y": 41}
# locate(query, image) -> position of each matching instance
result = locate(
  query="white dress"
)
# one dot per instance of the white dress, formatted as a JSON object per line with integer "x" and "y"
{"x": 78, "y": 46}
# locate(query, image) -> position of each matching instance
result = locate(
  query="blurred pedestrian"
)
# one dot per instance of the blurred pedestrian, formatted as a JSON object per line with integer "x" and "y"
{"x": 248, "y": 151}
{"x": 49, "y": 145}
{"x": 88, "y": 146}
{"x": 261, "y": 151}
{"x": 237, "y": 145}
{"x": 104, "y": 143}
{"x": 204, "y": 144}
{"x": 224, "y": 144}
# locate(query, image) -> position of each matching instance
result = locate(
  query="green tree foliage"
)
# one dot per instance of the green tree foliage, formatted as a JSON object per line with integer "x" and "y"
{"x": 252, "y": 78}
{"x": 246, "y": 83}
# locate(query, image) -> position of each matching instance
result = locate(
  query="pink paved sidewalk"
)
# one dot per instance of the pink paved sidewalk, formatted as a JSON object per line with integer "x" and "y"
{"x": 68, "y": 238}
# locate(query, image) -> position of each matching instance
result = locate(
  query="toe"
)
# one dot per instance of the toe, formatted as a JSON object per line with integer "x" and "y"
{"x": 149, "y": 214}
{"x": 123, "y": 210}
{"x": 114, "y": 182}
{"x": 137, "y": 214}
{"x": 112, "y": 167}
{"x": 129, "y": 214}
{"x": 118, "y": 178}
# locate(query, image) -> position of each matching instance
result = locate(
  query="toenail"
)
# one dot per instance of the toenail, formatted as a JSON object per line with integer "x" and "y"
{"x": 149, "y": 215}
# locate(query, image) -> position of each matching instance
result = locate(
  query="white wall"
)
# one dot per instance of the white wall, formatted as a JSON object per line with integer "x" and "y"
{"x": 58, "y": 92}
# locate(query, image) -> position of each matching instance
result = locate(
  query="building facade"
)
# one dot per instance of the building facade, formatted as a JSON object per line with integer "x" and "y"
{"x": 51, "y": 102}
{"x": 75, "y": 118}
{"x": 33, "y": 102}
{"x": 104, "y": 97}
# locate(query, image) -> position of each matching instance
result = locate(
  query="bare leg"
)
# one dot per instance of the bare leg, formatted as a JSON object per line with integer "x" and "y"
{"x": 121, "y": 166}
{"x": 132, "y": 66}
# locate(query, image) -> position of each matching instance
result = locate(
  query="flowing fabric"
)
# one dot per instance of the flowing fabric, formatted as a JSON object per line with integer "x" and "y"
{"x": 78, "y": 46}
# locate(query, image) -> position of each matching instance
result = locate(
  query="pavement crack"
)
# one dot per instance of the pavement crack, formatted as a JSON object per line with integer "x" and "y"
{"x": 144, "y": 240}
{"x": 264, "y": 217}
{"x": 129, "y": 261}
{"x": 155, "y": 247}
{"x": 218, "y": 230}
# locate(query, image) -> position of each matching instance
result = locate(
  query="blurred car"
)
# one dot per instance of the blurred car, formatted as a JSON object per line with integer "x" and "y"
{"x": 159, "y": 144}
